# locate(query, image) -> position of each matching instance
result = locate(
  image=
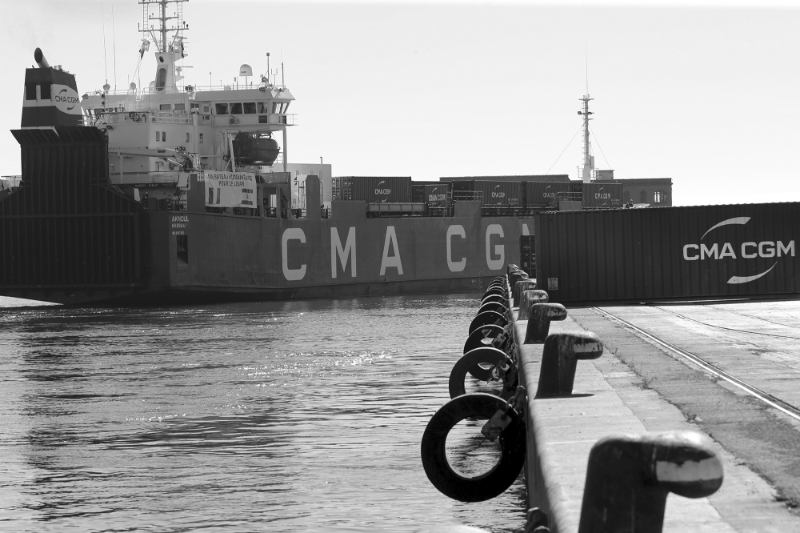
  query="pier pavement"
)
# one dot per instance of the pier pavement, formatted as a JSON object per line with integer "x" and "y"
{"x": 643, "y": 384}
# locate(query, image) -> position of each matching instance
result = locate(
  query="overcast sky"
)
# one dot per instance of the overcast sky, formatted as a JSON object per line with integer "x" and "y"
{"x": 701, "y": 92}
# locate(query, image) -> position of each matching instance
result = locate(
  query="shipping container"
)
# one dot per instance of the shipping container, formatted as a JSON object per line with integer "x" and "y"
{"x": 639, "y": 255}
{"x": 602, "y": 195}
{"x": 373, "y": 188}
{"x": 437, "y": 195}
{"x": 500, "y": 193}
{"x": 527, "y": 255}
{"x": 543, "y": 194}
{"x": 418, "y": 190}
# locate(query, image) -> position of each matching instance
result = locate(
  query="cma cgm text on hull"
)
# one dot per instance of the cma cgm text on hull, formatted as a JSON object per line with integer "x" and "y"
{"x": 173, "y": 192}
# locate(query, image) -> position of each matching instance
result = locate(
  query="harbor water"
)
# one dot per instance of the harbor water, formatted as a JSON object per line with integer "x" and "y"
{"x": 280, "y": 416}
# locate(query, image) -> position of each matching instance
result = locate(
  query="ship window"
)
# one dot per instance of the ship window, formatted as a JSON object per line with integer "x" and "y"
{"x": 164, "y": 107}
{"x": 274, "y": 107}
{"x": 658, "y": 197}
{"x": 164, "y": 136}
{"x": 249, "y": 108}
{"x": 286, "y": 107}
{"x": 236, "y": 108}
{"x": 158, "y": 136}
{"x": 643, "y": 197}
{"x": 222, "y": 109}
{"x": 195, "y": 106}
{"x": 201, "y": 138}
{"x": 182, "y": 242}
{"x": 30, "y": 92}
{"x": 263, "y": 108}
{"x": 180, "y": 107}
{"x": 187, "y": 136}
{"x": 161, "y": 79}
{"x": 45, "y": 92}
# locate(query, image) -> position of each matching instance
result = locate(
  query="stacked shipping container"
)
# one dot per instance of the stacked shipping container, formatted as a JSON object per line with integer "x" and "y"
{"x": 373, "y": 188}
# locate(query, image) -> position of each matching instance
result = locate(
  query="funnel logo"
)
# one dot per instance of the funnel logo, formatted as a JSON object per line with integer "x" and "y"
{"x": 66, "y": 99}
{"x": 747, "y": 250}
{"x": 382, "y": 190}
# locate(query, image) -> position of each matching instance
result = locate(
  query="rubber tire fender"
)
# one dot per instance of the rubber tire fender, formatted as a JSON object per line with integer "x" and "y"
{"x": 470, "y": 363}
{"x": 487, "y": 318}
{"x": 475, "y": 338}
{"x": 434, "y": 456}
{"x": 498, "y": 307}
{"x": 494, "y": 298}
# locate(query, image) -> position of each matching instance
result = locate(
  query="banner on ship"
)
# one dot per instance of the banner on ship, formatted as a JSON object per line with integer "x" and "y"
{"x": 230, "y": 189}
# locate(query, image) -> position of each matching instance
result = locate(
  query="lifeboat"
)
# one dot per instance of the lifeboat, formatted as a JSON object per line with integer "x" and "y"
{"x": 251, "y": 149}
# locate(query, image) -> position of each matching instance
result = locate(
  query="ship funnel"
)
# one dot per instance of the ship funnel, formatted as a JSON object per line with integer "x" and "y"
{"x": 38, "y": 56}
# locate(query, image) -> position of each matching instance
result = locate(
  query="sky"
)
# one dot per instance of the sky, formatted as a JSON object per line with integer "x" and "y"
{"x": 700, "y": 92}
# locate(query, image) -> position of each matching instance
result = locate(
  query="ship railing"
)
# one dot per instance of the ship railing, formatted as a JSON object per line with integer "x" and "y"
{"x": 439, "y": 210}
{"x": 149, "y": 116}
{"x": 254, "y": 119}
{"x": 468, "y": 196}
{"x": 569, "y": 197}
{"x": 394, "y": 209}
{"x": 8, "y": 183}
{"x": 504, "y": 211}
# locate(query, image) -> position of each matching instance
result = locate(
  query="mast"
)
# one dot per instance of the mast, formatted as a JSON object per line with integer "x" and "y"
{"x": 156, "y": 23}
{"x": 588, "y": 159}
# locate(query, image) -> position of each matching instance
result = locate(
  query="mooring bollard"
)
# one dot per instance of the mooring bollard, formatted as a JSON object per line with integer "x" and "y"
{"x": 629, "y": 477}
{"x": 517, "y": 275}
{"x": 539, "y": 320}
{"x": 528, "y": 299}
{"x": 560, "y": 357}
{"x": 522, "y": 285}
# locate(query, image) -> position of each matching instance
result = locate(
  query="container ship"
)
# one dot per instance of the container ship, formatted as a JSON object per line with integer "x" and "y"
{"x": 174, "y": 193}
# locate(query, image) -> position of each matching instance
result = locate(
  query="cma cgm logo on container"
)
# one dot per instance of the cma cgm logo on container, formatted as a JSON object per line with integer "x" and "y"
{"x": 548, "y": 194}
{"x": 381, "y": 190}
{"x": 601, "y": 196}
{"x": 435, "y": 197}
{"x": 747, "y": 250}
{"x": 498, "y": 194}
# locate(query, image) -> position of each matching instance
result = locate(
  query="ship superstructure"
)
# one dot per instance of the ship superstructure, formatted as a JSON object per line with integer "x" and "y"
{"x": 159, "y": 133}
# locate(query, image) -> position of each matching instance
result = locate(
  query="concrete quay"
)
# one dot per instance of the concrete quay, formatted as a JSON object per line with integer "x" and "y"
{"x": 640, "y": 387}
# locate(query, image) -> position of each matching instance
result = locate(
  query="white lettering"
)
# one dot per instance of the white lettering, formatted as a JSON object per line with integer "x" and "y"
{"x": 292, "y": 274}
{"x": 394, "y": 260}
{"x": 785, "y": 249}
{"x": 766, "y": 249}
{"x": 709, "y": 252}
{"x": 744, "y": 250}
{"x": 455, "y": 266}
{"x": 727, "y": 251}
{"x": 499, "y": 249}
{"x": 686, "y": 252}
{"x": 343, "y": 253}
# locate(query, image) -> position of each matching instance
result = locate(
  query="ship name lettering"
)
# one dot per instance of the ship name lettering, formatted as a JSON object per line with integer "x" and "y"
{"x": 394, "y": 260}
{"x": 292, "y": 234}
{"x": 498, "y": 261}
{"x": 344, "y": 253}
{"x": 460, "y": 265}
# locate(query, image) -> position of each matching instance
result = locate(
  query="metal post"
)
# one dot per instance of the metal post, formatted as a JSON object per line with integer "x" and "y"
{"x": 539, "y": 322}
{"x": 629, "y": 477}
{"x": 560, "y": 357}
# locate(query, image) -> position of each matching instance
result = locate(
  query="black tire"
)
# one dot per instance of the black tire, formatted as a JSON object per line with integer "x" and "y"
{"x": 488, "y": 318}
{"x": 494, "y": 292}
{"x": 471, "y": 363}
{"x": 498, "y": 307}
{"x": 434, "y": 456}
{"x": 476, "y": 338}
{"x": 494, "y": 298}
